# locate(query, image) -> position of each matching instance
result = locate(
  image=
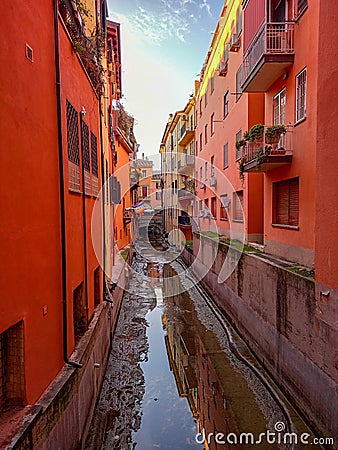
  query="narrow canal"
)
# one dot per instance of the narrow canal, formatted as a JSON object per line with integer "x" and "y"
{"x": 178, "y": 373}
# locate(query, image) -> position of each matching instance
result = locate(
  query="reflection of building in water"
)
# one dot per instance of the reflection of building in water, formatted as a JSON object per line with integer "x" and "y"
{"x": 190, "y": 354}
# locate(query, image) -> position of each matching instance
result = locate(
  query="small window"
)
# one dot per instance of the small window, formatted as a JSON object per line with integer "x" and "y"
{"x": 201, "y": 144}
{"x": 206, "y": 170}
{"x": 212, "y": 169}
{"x": 224, "y": 204}
{"x": 213, "y": 207}
{"x": 225, "y": 156}
{"x": 79, "y": 314}
{"x": 286, "y": 202}
{"x": 212, "y": 124}
{"x": 97, "y": 286}
{"x": 206, "y": 134}
{"x": 301, "y": 96}
{"x": 144, "y": 173}
{"x": 29, "y": 53}
{"x": 226, "y": 104}
{"x": 200, "y": 107}
{"x": 238, "y": 206}
{"x": 238, "y": 150}
{"x": 239, "y": 20}
{"x": 212, "y": 84}
{"x": 206, "y": 97}
{"x": 239, "y": 84}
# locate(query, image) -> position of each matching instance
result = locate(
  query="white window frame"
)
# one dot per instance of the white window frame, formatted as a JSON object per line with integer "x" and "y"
{"x": 301, "y": 95}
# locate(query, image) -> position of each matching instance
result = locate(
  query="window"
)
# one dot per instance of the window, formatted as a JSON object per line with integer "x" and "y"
{"x": 279, "y": 102}
{"x": 206, "y": 134}
{"x": 206, "y": 170}
{"x": 144, "y": 173}
{"x": 238, "y": 206}
{"x": 212, "y": 124}
{"x": 12, "y": 376}
{"x": 301, "y": 96}
{"x": 144, "y": 191}
{"x": 206, "y": 97}
{"x": 239, "y": 84}
{"x": 239, "y": 20}
{"x": 97, "y": 286}
{"x": 79, "y": 316}
{"x": 212, "y": 84}
{"x": 201, "y": 205}
{"x": 224, "y": 204}
{"x": 158, "y": 195}
{"x": 238, "y": 150}
{"x": 201, "y": 176}
{"x": 200, "y": 107}
{"x": 192, "y": 148}
{"x": 225, "y": 156}
{"x": 212, "y": 170}
{"x": 86, "y": 155}
{"x": 201, "y": 145}
{"x": 196, "y": 146}
{"x": 226, "y": 104}
{"x": 286, "y": 202}
{"x": 213, "y": 206}
{"x": 93, "y": 142}
{"x": 73, "y": 147}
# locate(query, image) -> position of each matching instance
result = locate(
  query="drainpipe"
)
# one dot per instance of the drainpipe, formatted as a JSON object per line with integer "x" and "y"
{"x": 84, "y": 221}
{"x": 103, "y": 194}
{"x": 62, "y": 194}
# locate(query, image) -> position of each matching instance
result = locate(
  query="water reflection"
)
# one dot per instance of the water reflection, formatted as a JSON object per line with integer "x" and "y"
{"x": 175, "y": 370}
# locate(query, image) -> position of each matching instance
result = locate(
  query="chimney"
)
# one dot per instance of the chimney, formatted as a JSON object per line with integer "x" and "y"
{"x": 142, "y": 155}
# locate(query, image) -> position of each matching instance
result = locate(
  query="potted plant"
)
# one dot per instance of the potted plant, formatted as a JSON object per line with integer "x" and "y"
{"x": 255, "y": 134}
{"x": 273, "y": 133}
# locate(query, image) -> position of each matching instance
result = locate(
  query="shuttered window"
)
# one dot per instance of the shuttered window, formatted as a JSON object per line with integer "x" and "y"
{"x": 238, "y": 206}
{"x": 225, "y": 156}
{"x": 286, "y": 202}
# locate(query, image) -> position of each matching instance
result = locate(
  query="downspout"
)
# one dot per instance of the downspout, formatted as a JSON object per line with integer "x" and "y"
{"x": 84, "y": 220}
{"x": 62, "y": 194}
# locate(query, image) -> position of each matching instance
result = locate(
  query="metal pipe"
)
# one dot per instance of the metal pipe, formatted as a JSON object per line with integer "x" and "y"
{"x": 62, "y": 194}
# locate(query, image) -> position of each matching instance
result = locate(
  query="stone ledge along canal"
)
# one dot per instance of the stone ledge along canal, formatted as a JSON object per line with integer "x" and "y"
{"x": 179, "y": 376}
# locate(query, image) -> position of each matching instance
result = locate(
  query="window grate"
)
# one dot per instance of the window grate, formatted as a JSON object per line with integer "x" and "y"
{"x": 85, "y": 145}
{"x": 93, "y": 142}
{"x": 72, "y": 134}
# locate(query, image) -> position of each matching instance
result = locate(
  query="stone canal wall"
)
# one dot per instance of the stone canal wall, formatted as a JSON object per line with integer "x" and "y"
{"x": 276, "y": 311}
{"x": 62, "y": 416}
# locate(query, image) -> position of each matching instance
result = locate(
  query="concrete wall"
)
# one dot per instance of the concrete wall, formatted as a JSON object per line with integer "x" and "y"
{"x": 61, "y": 418}
{"x": 275, "y": 311}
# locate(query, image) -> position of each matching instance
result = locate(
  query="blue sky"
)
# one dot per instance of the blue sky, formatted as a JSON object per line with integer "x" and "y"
{"x": 164, "y": 44}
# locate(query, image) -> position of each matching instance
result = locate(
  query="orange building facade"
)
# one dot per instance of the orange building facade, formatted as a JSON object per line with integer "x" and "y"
{"x": 55, "y": 127}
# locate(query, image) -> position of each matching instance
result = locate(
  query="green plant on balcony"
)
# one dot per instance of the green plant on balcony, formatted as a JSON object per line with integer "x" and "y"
{"x": 255, "y": 133}
{"x": 241, "y": 143}
{"x": 241, "y": 164}
{"x": 273, "y": 133}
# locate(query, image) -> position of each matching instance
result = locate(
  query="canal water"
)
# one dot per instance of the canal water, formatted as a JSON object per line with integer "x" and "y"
{"x": 179, "y": 377}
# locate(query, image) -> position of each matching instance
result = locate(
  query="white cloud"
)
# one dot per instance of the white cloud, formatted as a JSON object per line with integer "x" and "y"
{"x": 152, "y": 86}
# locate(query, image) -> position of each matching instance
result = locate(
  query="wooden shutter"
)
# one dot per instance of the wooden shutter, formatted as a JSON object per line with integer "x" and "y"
{"x": 238, "y": 202}
{"x": 286, "y": 202}
{"x": 294, "y": 202}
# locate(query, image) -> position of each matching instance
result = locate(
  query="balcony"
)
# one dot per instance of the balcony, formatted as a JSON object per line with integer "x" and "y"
{"x": 268, "y": 56}
{"x": 185, "y": 195}
{"x": 262, "y": 157}
{"x": 186, "y": 165}
{"x": 127, "y": 216}
{"x": 187, "y": 135}
{"x": 213, "y": 181}
{"x": 87, "y": 48}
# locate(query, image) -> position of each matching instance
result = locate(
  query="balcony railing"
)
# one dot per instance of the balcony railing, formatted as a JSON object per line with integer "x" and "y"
{"x": 87, "y": 49}
{"x": 262, "y": 156}
{"x": 186, "y": 164}
{"x": 187, "y": 135}
{"x": 273, "y": 45}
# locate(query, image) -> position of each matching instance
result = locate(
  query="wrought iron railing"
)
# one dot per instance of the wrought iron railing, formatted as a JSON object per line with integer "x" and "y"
{"x": 271, "y": 38}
